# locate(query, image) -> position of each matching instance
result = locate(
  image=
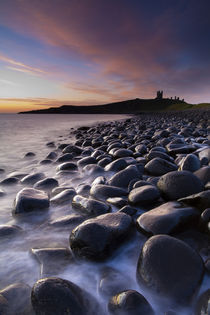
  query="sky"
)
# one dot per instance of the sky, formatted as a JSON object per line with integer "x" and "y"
{"x": 86, "y": 52}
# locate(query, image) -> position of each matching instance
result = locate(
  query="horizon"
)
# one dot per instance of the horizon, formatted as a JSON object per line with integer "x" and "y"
{"x": 60, "y": 52}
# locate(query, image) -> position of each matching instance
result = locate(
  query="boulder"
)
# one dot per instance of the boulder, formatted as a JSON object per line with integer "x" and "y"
{"x": 103, "y": 192}
{"x": 89, "y": 206}
{"x": 167, "y": 218}
{"x": 63, "y": 197}
{"x": 32, "y": 179}
{"x": 144, "y": 195}
{"x": 46, "y": 184}
{"x": 29, "y": 199}
{"x": 70, "y": 219}
{"x": 97, "y": 238}
{"x": 201, "y": 200}
{"x": 170, "y": 268}
{"x": 67, "y": 166}
{"x": 58, "y": 296}
{"x": 123, "y": 177}
{"x": 158, "y": 167}
{"x": 179, "y": 184}
{"x": 190, "y": 163}
{"x": 203, "y": 174}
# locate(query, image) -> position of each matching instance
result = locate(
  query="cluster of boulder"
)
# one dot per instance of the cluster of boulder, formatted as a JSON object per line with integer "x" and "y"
{"x": 146, "y": 177}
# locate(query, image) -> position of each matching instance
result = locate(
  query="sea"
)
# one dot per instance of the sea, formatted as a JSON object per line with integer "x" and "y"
{"x": 20, "y": 134}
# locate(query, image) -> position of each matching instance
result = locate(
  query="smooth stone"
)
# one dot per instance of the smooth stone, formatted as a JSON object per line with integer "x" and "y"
{"x": 97, "y": 238}
{"x": 141, "y": 148}
{"x": 116, "y": 165}
{"x": 90, "y": 206}
{"x": 29, "y": 199}
{"x": 86, "y": 160}
{"x": 32, "y": 179}
{"x": 46, "y": 184}
{"x": 9, "y": 230}
{"x": 4, "y": 306}
{"x": 50, "y": 144}
{"x": 29, "y": 155}
{"x": 93, "y": 169}
{"x": 122, "y": 153}
{"x": 63, "y": 197}
{"x": 203, "y": 174}
{"x": 103, "y": 192}
{"x": 158, "y": 167}
{"x": 204, "y": 153}
{"x": 51, "y": 156}
{"x": 112, "y": 281}
{"x": 105, "y": 161}
{"x": 141, "y": 183}
{"x": 83, "y": 190}
{"x": 65, "y": 158}
{"x": 190, "y": 163}
{"x": 205, "y": 216}
{"x": 58, "y": 296}
{"x": 170, "y": 268}
{"x": 2, "y": 170}
{"x": 67, "y": 166}
{"x": 100, "y": 180}
{"x": 203, "y": 304}
{"x": 72, "y": 149}
{"x": 167, "y": 218}
{"x": 177, "y": 148}
{"x": 71, "y": 219}
{"x": 117, "y": 201}
{"x": 128, "y": 210}
{"x": 18, "y": 298}
{"x": 45, "y": 162}
{"x": 201, "y": 200}
{"x": 52, "y": 260}
{"x": 129, "y": 302}
{"x": 158, "y": 154}
{"x": 9, "y": 181}
{"x": 58, "y": 190}
{"x": 179, "y": 184}
{"x": 123, "y": 177}
{"x": 144, "y": 195}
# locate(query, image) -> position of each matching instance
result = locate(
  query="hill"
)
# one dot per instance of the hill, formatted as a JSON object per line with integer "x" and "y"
{"x": 134, "y": 106}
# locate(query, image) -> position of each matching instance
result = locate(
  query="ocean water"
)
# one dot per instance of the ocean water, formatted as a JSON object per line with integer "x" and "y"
{"x": 20, "y": 134}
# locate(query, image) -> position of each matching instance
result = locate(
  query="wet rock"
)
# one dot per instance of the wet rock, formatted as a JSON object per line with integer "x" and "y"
{"x": 29, "y": 199}
{"x": 141, "y": 148}
{"x": 158, "y": 167}
{"x": 58, "y": 190}
{"x": 112, "y": 281}
{"x": 190, "y": 163}
{"x": 103, "y": 192}
{"x": 50, "y": 144}
{"x": 201, "y": 200}
{"x": 9, "y": 181}
{"x": 203, "y": 304}
{"x": 29, "y": 154}
{"x": 32, "y": 179}
{"x": 58, "y": 296}
{"x": 2, "y": 193}
{"x": 9, "y": 230}
{"x": 141, "y": 183}
{"x": 46, "y": 184}
{"x": 100, "y": 180}
{"x": 116, "y": 165}
{"x": 128, "y": 210}
{"x": 171, "y": 268}
{"x": 75, "y": 150}
{"x": 89, "y": 206}
{"x": 129, "y": 302}
{"x": 122, "y": 153}
{"x": 52, "y": 260}
{"x": 97, "y": 238}
{"x": 65, "y": 158}
{"x": 117, "y": 201}
{"x": 63, "y": 197}
{"x": 71, "y": 219}
{"x": 86, "y": 160}
{"x": 92, "y": 169}
{"x": 45, "y": 162}
{"x": 203, "y": 174}
{"x": 105, "y": 161}
{"x": 144, "y": 195}
{"x": 204, "y": 153}
{"x": 167, "y": 218}
{"x": 83, "y": 190}
{"x": 123, "y": 177}
{"x": 4, "y": 305}
{"x": 179, "y": 148}
{"x": 51, "y": 156}
{"x": 67, "y": 166}
{"x": 158, "y": 154}
{"x": 2, "y": 170}
{"x": 179, "y": 184}
{"x": 18, "y": 298}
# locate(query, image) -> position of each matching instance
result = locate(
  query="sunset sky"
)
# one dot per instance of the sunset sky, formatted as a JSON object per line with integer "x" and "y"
{"x": 55, "y": 52}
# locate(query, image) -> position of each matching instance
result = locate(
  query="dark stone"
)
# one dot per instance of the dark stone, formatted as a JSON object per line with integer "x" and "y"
{"x": 9, "y": 230}
{"x": 97, "y": 238}
{"x": 72, "y": 149}
{"x": 203, "y": 174}
{"x": 103, "y": 192}
{"x": 129, "y": 302}
{"x": 116, "y": 165}
{"x": 89, "y": 206}
{"x": 179, "y": 184}
{"x": 65, "y": 158}
{"x": 83, "y": 190}
{"x": 105, "y": 161}
{"x": 46, "y": 184}
{"x": 86, "y": 160}
{"x": 29, "y": 199}
{"x": 52, "y": 260}
{"x": 71, "y": 219}
{"x": 63, "y": 197}
{"x": 117, "y": 201}
{"x": 158, "y": 154}
{"x": 123, "y": 177}
{"x": 158, "y": 167}
{"x": 201, "y": 200}
{"x": 122, "y": 153}
{"x": 18, "y": 298}
{"x": 29, "y": 154}
{"x": 144, "y": 195}
{"x": 57, "y": 296}
{"x": 45, "y": 162}
{"x": 179, "y": 148}
{"x": 32, "y": 179}
{"x": 167, "y": 218}
{"x": 52, "y": 156}
{"x": 141, "y": 148}
{"x": 170, "y": 268}
{"x": 190, "y": 163}
{"x": 67, "y": 166}
{"x": 4, "y": 306}
{"x": 9, "y": 181}
{"x": 128, "y": 210}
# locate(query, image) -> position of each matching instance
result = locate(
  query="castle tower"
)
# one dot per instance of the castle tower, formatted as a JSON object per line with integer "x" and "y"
{"x": 159, "y": 95}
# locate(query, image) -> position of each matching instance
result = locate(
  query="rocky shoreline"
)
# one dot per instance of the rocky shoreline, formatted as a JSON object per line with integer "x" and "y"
{"x": 143, "y": 181}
